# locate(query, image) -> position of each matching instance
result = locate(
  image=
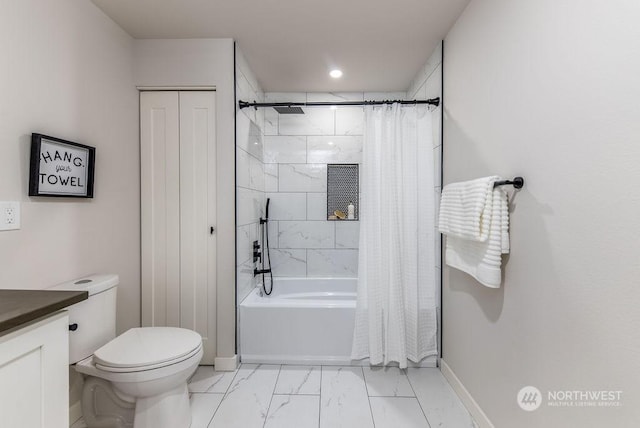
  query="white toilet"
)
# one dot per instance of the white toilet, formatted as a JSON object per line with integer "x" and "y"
{"x": 138, "y": 379}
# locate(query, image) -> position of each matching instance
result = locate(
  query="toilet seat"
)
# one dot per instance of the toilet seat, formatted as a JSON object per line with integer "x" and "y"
{"x": 147, "y": 348}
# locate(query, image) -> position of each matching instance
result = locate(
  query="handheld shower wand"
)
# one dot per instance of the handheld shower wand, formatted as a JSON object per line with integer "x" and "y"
{"x": 264, "y": 223}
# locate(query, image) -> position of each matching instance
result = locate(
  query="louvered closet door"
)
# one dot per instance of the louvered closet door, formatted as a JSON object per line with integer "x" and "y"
{"x": 178, "y": 212}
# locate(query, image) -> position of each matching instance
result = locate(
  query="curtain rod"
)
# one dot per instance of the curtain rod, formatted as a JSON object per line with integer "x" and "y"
{"x": 244, "y": 104}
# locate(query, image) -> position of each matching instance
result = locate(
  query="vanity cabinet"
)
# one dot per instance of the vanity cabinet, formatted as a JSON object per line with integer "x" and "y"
{"x": 34, "y": 379}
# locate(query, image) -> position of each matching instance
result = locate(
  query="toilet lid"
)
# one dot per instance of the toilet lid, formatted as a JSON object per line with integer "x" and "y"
{"x": 147, "y": 346}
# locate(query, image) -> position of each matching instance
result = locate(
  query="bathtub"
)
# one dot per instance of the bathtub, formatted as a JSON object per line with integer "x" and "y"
{"x": 304, "y": 321}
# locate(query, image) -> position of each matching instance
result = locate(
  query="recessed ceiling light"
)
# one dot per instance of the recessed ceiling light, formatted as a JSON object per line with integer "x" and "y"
{"x": 336, "y": 74}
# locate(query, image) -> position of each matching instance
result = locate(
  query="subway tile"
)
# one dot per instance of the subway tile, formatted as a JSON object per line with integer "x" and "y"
{"x": 243, "y": 168}
{"x": 285, "y": 149}
{"x": 270, "y": 121}
{"x": 272, "y": 228}
{"x": 256, "y": 170}
{"x": 250, "y": 204}
{"x": 302, "y": 178}
{"x": 245, "y": 236}
{"x": 289, "y": 262}
{"x": 384, "y": 96}
{"x": 347, "y": 234}
{"x": 334, "y": 149}
{"x": 334, "y": 96}
{"x": 314, "y": 121}
{"x": 349, "y": 121}
{"x": 271, "y": 177}
{"x": 283, "y": 97}
{"x": 306, "y": 234}
{"x": 316, "y": 206}
{"x": 245, "y": 279}
{"x": 287, "y": 206}
{"x": 249, "y": 136}
{"x": 332, "y": 263}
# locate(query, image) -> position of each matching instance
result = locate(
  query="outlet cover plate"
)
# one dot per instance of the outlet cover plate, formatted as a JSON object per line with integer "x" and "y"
{"x": 9, "y": 215}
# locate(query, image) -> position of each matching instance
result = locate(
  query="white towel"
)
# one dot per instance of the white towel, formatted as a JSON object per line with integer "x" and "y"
{"x": 475, "y": 218}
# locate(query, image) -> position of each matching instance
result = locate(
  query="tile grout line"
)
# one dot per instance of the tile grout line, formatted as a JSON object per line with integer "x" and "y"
{"x": 224, "y": 395}
{"x": 416, "y": 396}
{"x": 366, "y": 388}
{"x": 266, "y": 416}
{"x": 320, "y": 400}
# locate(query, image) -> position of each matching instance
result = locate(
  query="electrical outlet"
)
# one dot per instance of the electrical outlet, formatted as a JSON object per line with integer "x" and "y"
{"x": 9, "y": 215}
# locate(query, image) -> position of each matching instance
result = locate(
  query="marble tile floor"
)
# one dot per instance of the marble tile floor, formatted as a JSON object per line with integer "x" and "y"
{"x": 274, "y": 396}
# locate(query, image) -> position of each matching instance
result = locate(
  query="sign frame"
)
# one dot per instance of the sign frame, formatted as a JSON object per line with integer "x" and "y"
{"x": 35, "y": 166}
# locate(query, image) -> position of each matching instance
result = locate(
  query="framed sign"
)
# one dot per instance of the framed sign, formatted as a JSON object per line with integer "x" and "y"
{"x": 61, "y": 168}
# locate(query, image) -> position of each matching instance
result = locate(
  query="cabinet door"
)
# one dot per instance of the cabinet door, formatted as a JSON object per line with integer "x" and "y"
{"x": 160, "y": 207}
{"x": 34, "y": 375}
{"x": 197, "y": 216}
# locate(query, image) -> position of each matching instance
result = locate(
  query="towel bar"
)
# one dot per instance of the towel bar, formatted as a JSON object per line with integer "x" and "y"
{"x": 518, "y": 183}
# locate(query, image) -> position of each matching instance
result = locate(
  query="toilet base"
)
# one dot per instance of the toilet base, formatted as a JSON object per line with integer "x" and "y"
{"x": 168, "y": 410}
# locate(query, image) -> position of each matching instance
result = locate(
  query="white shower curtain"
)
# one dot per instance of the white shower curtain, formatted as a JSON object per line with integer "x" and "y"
{"x": 396, "y": 306}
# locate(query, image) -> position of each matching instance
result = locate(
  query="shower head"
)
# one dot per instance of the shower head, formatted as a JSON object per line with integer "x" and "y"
{"x": 289, "y": 110}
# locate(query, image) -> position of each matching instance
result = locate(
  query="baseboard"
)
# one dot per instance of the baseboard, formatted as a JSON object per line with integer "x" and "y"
{"x": 226, "y": 364}
{"x": 476, "y": 412}
{"x": 75, "y": 412}
{"x": 324, "y": 360}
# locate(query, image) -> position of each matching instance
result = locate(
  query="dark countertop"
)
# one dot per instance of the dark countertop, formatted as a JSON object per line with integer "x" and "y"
{"x": 18, "y": 307}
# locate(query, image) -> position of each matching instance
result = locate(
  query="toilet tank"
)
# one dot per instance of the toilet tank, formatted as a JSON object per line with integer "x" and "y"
{"x": 95, "y": 317}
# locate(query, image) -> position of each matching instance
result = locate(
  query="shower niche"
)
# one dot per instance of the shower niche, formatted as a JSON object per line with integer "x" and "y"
{"x": 343, "y": 191}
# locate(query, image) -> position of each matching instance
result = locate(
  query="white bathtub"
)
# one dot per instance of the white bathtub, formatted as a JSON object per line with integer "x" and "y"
{"x": 304, "y": 321}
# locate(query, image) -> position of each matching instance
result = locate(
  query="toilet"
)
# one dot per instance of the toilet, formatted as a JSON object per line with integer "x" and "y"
{"x": 137, "y": 379}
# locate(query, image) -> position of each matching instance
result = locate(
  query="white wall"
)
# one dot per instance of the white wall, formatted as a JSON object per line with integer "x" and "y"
{"x": 549, "y": 90}
{"x": 205, "y": 62}
{"x": 67, "y": 72}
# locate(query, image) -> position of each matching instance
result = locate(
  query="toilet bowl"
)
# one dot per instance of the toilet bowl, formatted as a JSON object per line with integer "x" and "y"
{"x": 137, "y": 379}
{"x": 150, "y": 368}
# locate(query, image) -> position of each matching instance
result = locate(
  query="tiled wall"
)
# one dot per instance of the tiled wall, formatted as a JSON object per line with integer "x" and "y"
{"x": 297, "y": 149}
{"x": 250, "y": 178}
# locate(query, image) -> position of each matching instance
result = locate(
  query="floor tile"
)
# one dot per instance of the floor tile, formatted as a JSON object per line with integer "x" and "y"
{"x": 344, "y": 401}
{"x": 440, "y": 403}
{"x": 387, "y": 382}
{"x": 395, "y": 412}
{"x": 79, "y": 424}
{"x": 294, "y": 411}
{"x": 203, "y": 406}
{"x": 247, "y": 401}
{"x": 299, "y": 380}
{"x": 206, "y": 379}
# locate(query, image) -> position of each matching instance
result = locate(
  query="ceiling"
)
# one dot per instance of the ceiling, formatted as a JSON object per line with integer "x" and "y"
{"x": 292, "y": 44}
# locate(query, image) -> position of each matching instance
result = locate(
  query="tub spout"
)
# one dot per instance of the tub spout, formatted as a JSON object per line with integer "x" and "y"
{"x": 257, "y": 272}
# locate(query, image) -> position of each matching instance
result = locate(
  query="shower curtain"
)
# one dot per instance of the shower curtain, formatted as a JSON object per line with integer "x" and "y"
{"x": 396, "y": 303}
